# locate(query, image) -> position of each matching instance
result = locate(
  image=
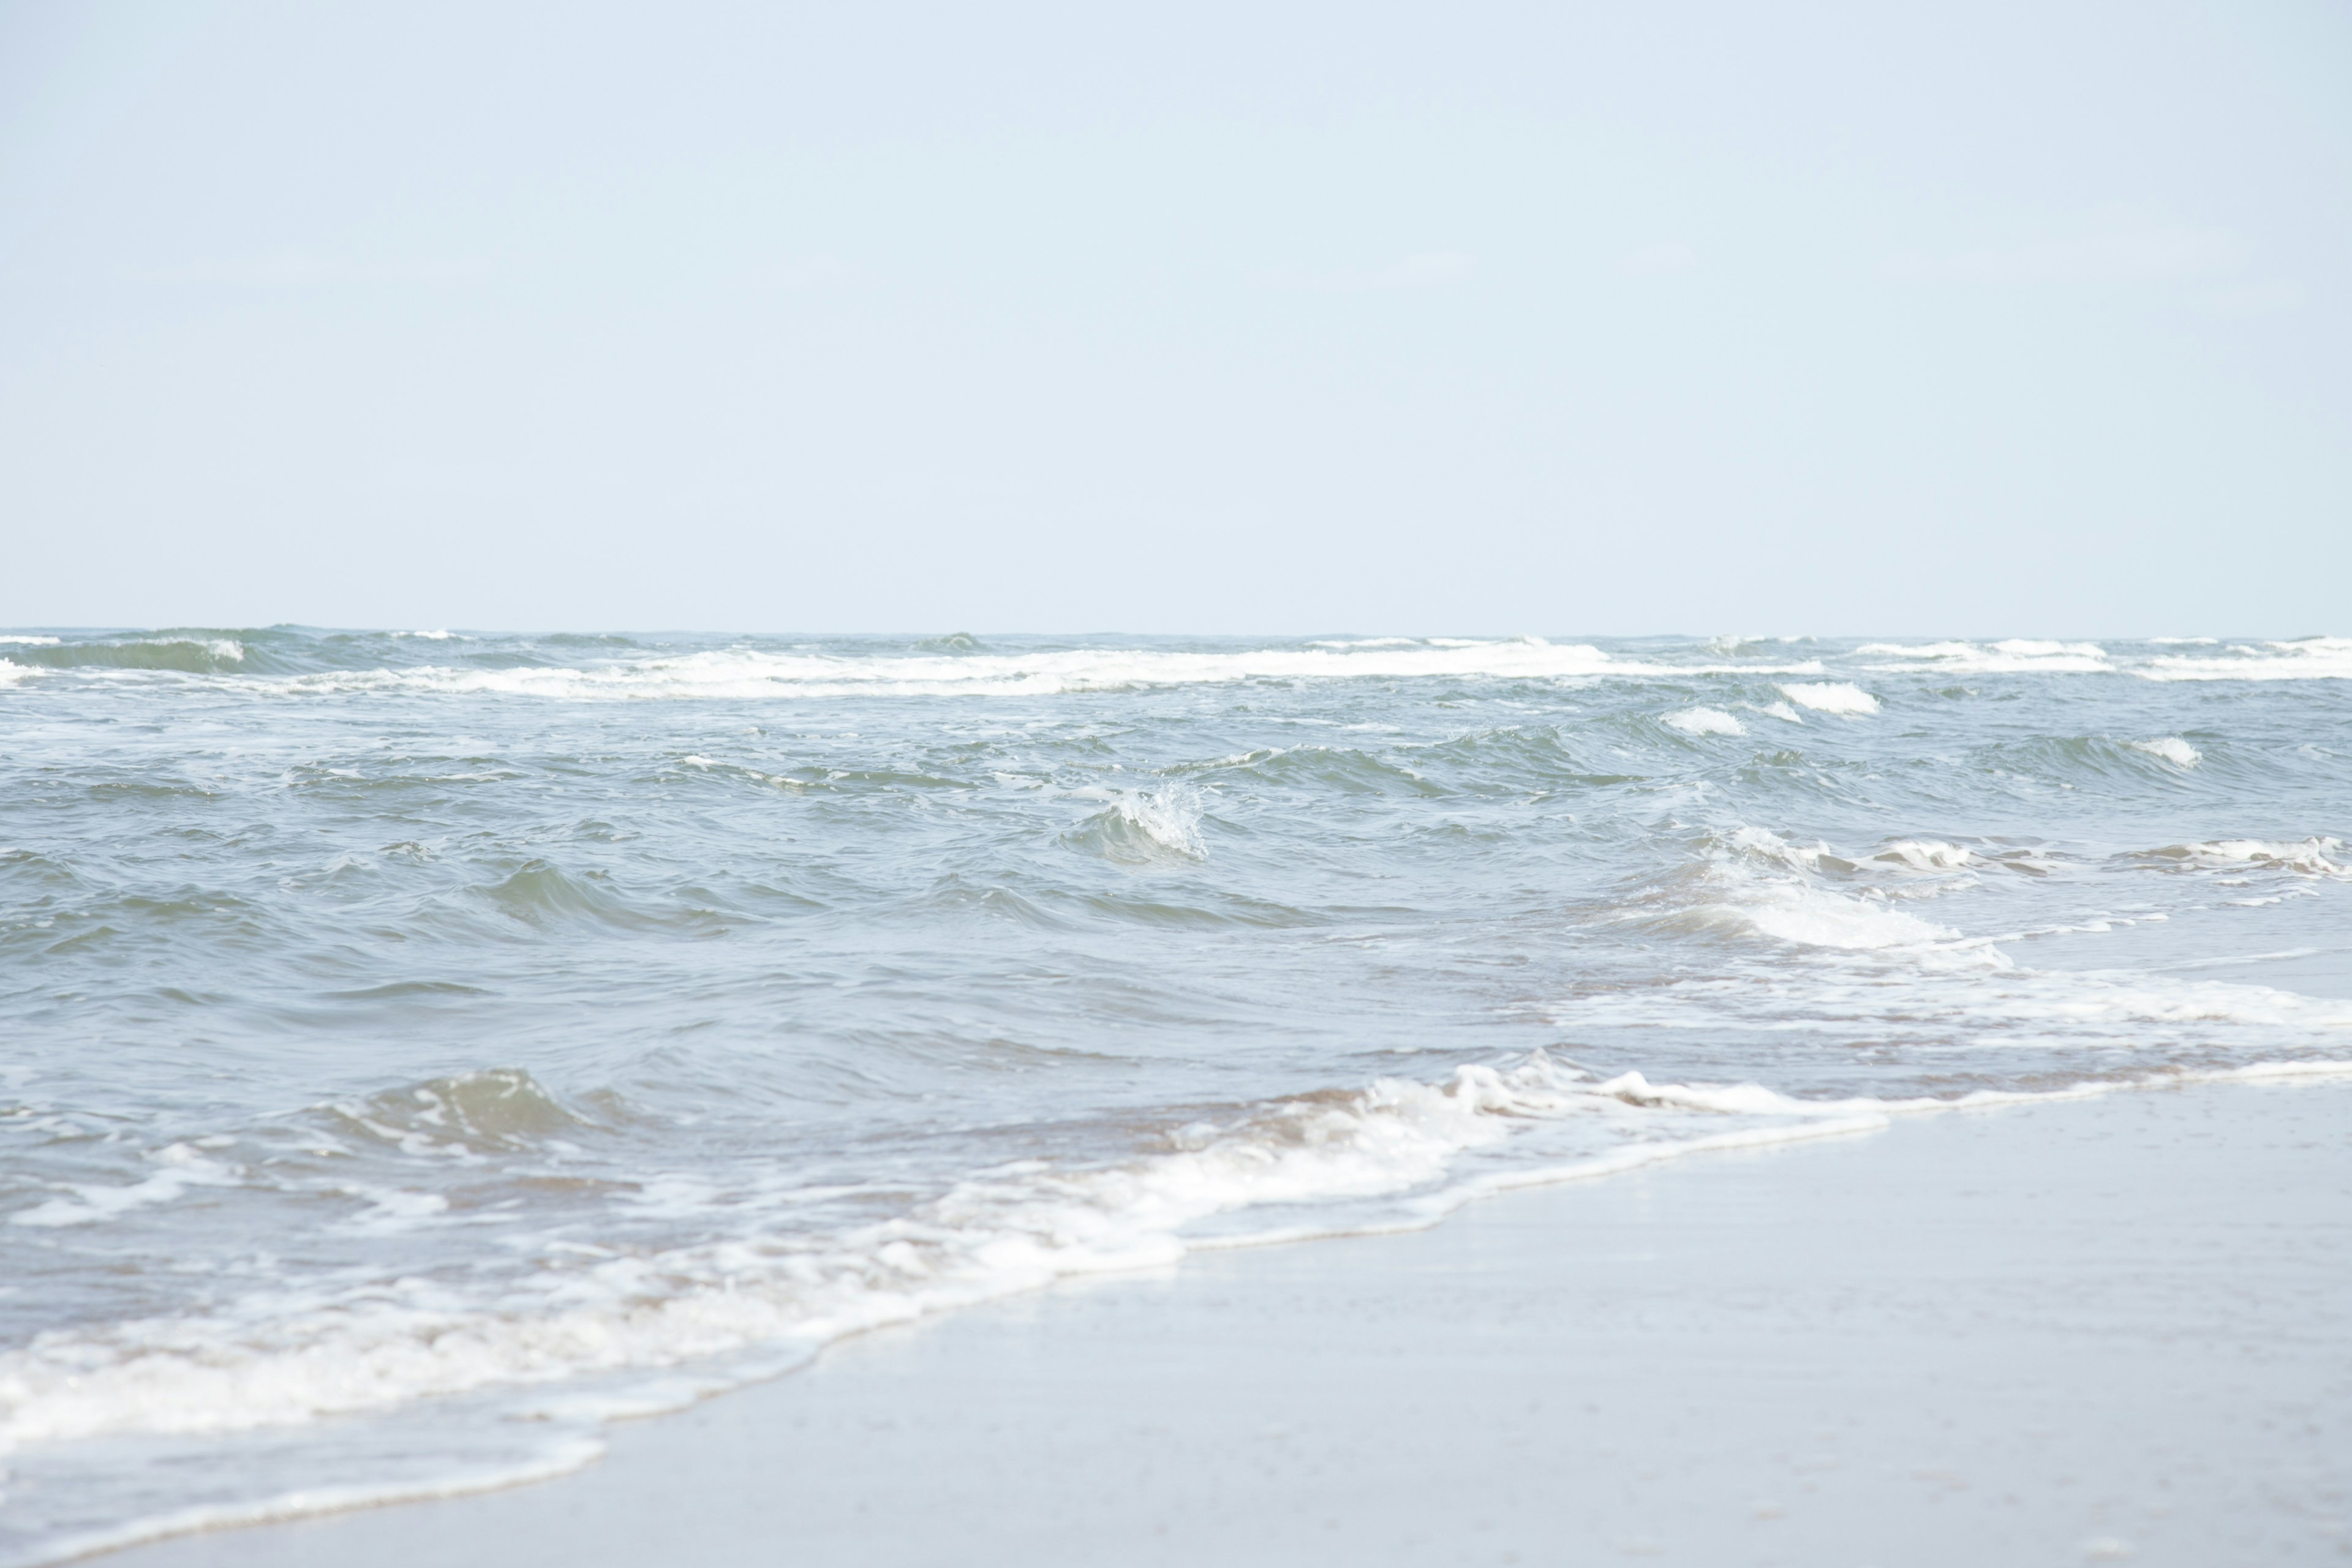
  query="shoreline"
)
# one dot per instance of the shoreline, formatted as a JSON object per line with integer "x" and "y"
{"x": 1695, "y": 1356}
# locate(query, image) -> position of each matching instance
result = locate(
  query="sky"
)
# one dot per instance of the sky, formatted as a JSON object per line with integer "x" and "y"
{"x": 1885, "y": 318}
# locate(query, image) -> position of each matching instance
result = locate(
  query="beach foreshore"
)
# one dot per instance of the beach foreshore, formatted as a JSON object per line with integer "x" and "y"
{"x": 2116, "y": 1328}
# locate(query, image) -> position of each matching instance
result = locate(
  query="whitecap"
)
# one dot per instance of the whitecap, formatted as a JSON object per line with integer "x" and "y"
{"x": 2309, "y": 856}
{"x": 743, "y": 672}
{"x": 1704, "y": 721}
{"x": 1927, "y": 854}
{"x": 2171, "y": 748}
{"x": 1831, "y": 696}
{"x": 1758, "y": 882}
{"x": 2009, "y": 656}
{"x": 268, "y": 1360}
{"x": 1815, "y": 916}
{"x": 1170, "y": 817}
{"x": 183, "y": 1168}
{"x": 2306, "y": 658}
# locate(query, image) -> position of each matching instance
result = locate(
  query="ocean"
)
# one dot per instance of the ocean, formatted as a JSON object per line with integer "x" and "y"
{"x": 420, "y": 1050}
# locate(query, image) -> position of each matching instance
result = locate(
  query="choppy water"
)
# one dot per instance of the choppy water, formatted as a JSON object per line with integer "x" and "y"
{"x": 414, "y": 1048}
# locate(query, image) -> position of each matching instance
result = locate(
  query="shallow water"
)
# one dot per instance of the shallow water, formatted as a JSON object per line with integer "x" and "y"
{"x": 420, "y": 1048}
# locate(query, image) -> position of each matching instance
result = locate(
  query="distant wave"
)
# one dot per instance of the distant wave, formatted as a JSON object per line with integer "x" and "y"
{"x": 297, "y": 662}
{"x": 751, "y": 672}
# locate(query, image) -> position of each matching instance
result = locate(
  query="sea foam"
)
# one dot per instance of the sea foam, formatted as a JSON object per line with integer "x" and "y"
{"x": 2011, "y": 657}
{"x": 2172, "y": 749}
{"x": 266, "y": 1360}
{"x": 2308, "y": 659}
{"x": 1831, "y": 696}
{"x": 1705, "y": 721}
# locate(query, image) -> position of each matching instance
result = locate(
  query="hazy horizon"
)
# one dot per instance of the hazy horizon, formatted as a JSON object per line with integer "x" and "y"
{"x": 941, "y": 634}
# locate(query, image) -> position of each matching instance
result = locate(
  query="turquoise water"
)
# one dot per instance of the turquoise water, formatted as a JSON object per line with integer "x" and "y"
{"x": 420, "y": 1047}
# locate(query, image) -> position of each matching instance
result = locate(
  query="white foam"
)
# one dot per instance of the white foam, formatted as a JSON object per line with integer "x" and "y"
{"x": 1705, "y": 721}
{"x": 2263, "y": 1072}
{"x": 31, "y": 641}
{"x": 2172, "y": 749}
{"x": 182, "y": 1168}
{"x": 1919, "y": 650}
{"x": 267, "y": 1361}
{"x": 1016, "y": 1227}
{"x": 557, "y": 1458}
{"x": 752, "y": 672}
{"x": 2310, "y": 857}
{"x": 2011, "y": 656}
{"x": 1815, "y": 916}
{"x": 1928, "y": 1005}
{"x": 2029, "y": 647}
{"x": 1781, "y": 711}
{"x": 1170, "y": 817}
{"x": 2306, "y": 658}
{"x": 227, "y": 648}
{"x": 1749, "y": 886}
{"x": 1927, "y": 854}
{"x": 1831, "y": 696}
{"x": 1763, "y": 845}
{"x": 1930, "y": 855}
{"x": 12, "y": 672}
{"x": 1793, "y": 1121}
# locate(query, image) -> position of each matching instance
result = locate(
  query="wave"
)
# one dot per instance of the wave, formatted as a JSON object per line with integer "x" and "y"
{"x": 1754, "y": 883}
{"x": 558, "y": 1456}
{"x": 487, "y": 1112}
{"x": 746, "y": 672}
{"x": 2307, "y": 856}
{"x": 1831, "y": 696}
{"x": 2014, "y": 656}
{"x": 2305, "y": 658}
{"x": 294, "y": 662}
{"x": 182, "y": 653}
{"x": 183, "y": 1167}
{"x": 276, "y": 1363}
{"x": 2172, "y": 749}
{"x": 1704, "y": 721}
{"x": 265, "y": 1361}
{"x": 270, "y": 662}
{"x": 2142, "y": 1018}
{"x": 1812, "y": 917}
{"x": 1144, "y": 828}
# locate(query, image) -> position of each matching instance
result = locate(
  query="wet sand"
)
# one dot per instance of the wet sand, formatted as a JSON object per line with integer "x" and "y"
{"x": 2116, "y": 1329}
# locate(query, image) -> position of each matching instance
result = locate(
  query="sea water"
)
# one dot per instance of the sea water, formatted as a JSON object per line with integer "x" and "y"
{"x": 418, "y": 1049}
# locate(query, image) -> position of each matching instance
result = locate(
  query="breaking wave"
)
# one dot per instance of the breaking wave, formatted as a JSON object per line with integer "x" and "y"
{"x": 1143, "y": 827}
{"x": 2308, "y": 659}
{"x": 1831, "y": 696}
{"x": 2011, "y": 657}
{"x": 1705, "y": 721}
{"x": 269, "y": 1360}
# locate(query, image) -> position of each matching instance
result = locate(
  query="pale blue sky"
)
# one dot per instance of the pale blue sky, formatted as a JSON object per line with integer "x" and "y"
{"x": 1996, "y": 319}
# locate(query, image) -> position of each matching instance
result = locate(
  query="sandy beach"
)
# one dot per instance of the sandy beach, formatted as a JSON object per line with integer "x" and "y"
{"x": 2109, "y": 1329}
